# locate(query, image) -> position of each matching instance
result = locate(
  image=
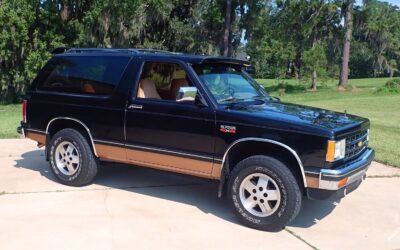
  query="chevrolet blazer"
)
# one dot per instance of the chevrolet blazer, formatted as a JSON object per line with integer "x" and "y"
{"x": 195, "y": 115}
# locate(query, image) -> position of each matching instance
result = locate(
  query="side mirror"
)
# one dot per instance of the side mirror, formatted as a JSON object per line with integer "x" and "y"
{"x": 190, "y": 94}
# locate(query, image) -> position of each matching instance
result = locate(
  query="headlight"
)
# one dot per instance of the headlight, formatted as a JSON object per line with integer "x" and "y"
{"x": 336, "y": 150}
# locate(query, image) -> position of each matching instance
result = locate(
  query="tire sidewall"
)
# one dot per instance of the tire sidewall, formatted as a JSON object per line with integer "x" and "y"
{"x": 57, "y": 141}
{"x": 238, "y": 206}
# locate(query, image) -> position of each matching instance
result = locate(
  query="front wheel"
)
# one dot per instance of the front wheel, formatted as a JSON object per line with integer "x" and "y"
{"x": 264, "y": 193}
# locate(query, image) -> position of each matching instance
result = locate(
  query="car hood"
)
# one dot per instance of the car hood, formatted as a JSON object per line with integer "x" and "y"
{"x": 302, "y": 116}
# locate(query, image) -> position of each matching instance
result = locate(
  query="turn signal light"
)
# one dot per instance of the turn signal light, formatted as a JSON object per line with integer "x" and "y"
{"x": 336, "y": 150}
{"x": 342, "y": 182}
{"x": 330, "y": 153}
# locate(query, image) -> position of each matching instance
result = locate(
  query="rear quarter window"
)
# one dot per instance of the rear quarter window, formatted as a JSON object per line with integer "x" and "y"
{"x": 83, "y": 75}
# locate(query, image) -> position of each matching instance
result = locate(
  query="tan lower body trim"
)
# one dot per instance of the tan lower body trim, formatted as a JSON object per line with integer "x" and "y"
{"x": 40, "y": 138}
{"x": 111, "y": 152}
{"x": 216, "y": 171}
{"x": 172, "y": 163}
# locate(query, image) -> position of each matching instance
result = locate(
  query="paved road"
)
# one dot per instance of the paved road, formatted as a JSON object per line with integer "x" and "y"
{"x": 137, "y": 208}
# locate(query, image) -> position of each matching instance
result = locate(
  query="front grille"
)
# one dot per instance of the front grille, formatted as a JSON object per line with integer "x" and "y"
{"x": 353, "y": 145}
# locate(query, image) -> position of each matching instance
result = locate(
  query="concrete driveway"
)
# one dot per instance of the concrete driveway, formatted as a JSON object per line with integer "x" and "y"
{"x": 137, "y": 208}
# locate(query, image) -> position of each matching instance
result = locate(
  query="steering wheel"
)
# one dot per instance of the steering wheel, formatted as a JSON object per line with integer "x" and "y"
{"x": 226, "y": 92}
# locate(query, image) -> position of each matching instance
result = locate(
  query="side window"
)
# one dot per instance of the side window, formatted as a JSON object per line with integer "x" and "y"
{"x": 83, "y": 75}
{"x": 163, "y": 81}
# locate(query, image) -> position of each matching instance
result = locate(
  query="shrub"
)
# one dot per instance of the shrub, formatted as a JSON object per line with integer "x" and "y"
{"x": 391, "y": 86}
{"x": 283, "y": 87}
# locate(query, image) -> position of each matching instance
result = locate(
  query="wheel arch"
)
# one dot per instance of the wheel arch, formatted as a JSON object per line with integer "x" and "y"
{"x": 58, "y": 123}
{"x": 246, "y": 147}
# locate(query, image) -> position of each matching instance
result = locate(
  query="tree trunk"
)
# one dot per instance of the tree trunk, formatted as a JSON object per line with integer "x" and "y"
{"x": 230, "y": 43}
{"x": 348, "y": 24}
{"x": 66, "y": 11}
{"x": 314, "y": 81}
{"x": 227, "y": 29}
{"x": 297, "y": 65}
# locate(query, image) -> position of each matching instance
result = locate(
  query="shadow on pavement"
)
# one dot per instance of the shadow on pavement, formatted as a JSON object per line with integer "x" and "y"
{"x": 312, "y": 211}
{"x": 195, "y": 191}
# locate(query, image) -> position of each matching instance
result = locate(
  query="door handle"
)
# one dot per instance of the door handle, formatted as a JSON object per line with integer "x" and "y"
{"x": 135, "y": 106}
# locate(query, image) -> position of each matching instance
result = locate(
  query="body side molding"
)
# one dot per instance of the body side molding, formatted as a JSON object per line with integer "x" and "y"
{"x": 155, "y": 149}
{"x": 75, "y": 120}
{"x": 267, "y": 141}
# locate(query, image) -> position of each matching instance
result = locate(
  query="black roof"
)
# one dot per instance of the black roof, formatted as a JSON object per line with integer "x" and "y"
{"x": 151, "y": 53}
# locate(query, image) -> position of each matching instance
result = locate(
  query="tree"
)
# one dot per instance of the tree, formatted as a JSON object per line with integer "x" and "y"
{"x": 348, "y": 26}
{"x": 22, "y": 49}
{"x": 226, "y": 51}
{"x": 304, "y": 29}
{"x": 315, "y": 64}
{"x": 378, "y": 24}
{"x": 304, "y": 39}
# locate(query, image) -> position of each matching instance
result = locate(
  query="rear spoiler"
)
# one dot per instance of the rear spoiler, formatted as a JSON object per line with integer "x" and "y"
{"x": 220, "y": 59}
{"x": 59, "y": 50}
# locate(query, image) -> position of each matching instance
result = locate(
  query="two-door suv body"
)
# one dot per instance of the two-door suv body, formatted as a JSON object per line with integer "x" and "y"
{"x": 195, "y": 115}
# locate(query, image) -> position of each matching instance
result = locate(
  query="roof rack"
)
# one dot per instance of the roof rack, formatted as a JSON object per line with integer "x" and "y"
{"x": 157, "y": 51}
{"x": 110, "y": 50}
{"x": 99, "y": 50}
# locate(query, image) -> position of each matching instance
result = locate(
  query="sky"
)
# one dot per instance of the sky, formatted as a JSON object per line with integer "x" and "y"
{"x": 394, "y": 2}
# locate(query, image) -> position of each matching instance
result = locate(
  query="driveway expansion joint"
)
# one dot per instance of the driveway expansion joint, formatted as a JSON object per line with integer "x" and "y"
{"x": 111, "y": 217}
{"x": 301, "y": 239}
{"x": 383, "y": 176}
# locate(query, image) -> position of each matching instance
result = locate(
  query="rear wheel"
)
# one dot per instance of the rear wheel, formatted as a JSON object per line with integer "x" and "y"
{"x": 71, "y": 158}
{"x": 264, "y": 193}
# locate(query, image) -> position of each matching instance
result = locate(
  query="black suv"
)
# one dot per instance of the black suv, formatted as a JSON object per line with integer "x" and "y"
{"x": 196, "y": 115}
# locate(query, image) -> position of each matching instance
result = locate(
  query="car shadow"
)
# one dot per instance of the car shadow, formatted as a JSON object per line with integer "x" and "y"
{"x": 194, "y": 191}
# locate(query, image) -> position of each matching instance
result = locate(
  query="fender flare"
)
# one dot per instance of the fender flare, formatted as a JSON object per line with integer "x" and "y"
{"x": 75, "y": 120}
{"x": 233, "y": 144}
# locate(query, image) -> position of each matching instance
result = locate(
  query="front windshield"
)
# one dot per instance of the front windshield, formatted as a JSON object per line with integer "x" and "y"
{"x": 228, "y": 83}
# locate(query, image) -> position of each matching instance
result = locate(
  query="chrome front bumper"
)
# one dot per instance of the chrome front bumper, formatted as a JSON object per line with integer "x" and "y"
{"x": 353, "y": 171}
{"x": 348, "y": 176}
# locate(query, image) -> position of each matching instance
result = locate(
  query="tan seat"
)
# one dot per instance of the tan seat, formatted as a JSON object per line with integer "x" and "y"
{"x": 147, "y": 89}
{"x": 176, "y": 84}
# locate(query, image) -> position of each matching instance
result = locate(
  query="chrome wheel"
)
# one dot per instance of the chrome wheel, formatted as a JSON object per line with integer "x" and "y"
{"x": 259, "y": 194}
{"x": 67, "y": 158}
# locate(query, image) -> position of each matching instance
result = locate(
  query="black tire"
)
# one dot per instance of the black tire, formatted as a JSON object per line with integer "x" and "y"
{"x": 289, "y": 192}
{"x": 86, "y": 170}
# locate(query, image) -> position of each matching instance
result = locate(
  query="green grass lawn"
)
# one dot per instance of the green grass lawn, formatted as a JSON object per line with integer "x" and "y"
{"x": 10, "y": 117}
{"x": 382, "y": 109}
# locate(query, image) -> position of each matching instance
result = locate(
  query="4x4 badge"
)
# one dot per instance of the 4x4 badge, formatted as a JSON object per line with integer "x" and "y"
{"x": 227, "y": 129}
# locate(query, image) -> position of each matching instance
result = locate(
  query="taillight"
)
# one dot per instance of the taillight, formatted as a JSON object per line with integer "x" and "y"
{"x": 24, "y": 111}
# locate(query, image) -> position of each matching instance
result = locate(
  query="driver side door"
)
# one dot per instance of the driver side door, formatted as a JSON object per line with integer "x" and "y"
{"x": 164, "y": 133}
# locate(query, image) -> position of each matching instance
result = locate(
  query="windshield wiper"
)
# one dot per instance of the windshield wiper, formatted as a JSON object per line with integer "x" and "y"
{"x": 231, "y": 100}
{"x": 258, "y": 97}
{"x": 265, "y": 98}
